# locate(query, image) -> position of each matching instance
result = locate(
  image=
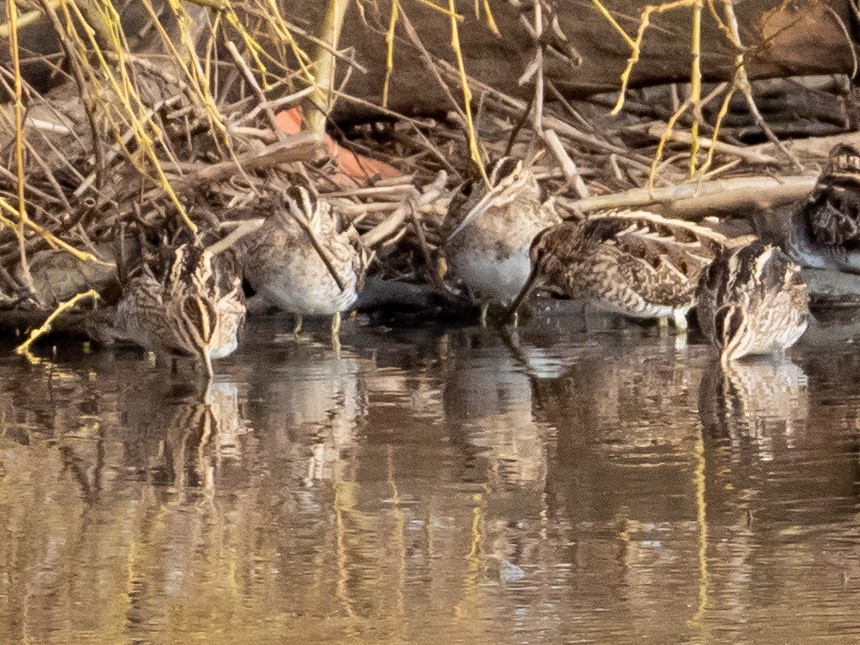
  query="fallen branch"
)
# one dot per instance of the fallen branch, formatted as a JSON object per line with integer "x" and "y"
{"x": 568, "y": 167}
{"x": 813, "y": 146}
{"x": 244, "y": 228}
{"x": 298, "y": 147}
{"x": 698, "y": 200}
{"x": 750, "y": 154}
{"x": 393, "y": 222}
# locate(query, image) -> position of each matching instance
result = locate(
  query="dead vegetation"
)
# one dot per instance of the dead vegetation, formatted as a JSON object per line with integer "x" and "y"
{"x": 199, "y": 128}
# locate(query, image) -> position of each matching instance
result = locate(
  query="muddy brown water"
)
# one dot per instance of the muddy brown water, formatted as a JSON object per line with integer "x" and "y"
{"x": 435, "y": 485}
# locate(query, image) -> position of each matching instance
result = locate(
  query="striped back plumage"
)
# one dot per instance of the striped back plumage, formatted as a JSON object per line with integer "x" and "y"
{"x": 832, "y": 211}
{"x": 185, "y": 304}
{"x": 752, "y": 299}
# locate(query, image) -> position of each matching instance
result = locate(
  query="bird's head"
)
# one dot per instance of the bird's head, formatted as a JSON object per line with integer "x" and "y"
{"x": 507, "y": 178}
{"x": 301, "y": 203}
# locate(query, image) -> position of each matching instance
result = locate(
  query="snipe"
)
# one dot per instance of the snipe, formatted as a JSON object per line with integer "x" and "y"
{"x": 637, "y": 264}
{"x": 752, "y": 300}
{"x": 302, "y": 261}
{"x": 491, "y": 228}
{"x": 823, "y": 231}
{"x": 191, "y": 306}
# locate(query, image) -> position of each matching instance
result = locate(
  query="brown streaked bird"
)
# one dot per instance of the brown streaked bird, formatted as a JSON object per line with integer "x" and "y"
{"x": 823, "y": 231}
{"x": 302, "y": 261}
{"x": 637, "y": 264}
{"x": 752, "y": 300}
{"x": 194, "y": 307}
{"x": 491, "y": 228}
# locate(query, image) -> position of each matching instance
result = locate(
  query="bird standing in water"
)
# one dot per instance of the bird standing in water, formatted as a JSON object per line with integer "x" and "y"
{"x": 192, "y": 306}
{"x": 303, "y": 262}
{"x": 752, "y": 300}
{"x": 823, "y": 231}
{"x": 637, "y": 264}
{"x": 491, "y": 228}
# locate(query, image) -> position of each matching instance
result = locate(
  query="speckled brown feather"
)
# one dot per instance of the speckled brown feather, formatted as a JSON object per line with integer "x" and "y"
{"x": 752, "y": 300}
{"x": 832, "y": 211}
{"x": 822, "y": 231}
{"x": 489, "y": 251}
{"x": 192, "y": 310}
{"x": 283, "y": 264}
{"x": 636, "y": 263}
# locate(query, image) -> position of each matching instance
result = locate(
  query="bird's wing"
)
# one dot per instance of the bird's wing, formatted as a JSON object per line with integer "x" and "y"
{"x": 832, "y": 211}
{"x": 671, "y": 245}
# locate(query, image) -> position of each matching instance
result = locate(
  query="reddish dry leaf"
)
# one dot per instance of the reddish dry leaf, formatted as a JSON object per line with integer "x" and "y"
{"x": 352, "y": 168}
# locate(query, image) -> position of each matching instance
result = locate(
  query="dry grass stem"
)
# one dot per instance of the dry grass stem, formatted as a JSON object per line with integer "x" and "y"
{"x": 21, "y": 212}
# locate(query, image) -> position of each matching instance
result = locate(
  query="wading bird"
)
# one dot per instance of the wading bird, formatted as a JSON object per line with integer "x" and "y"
{"x": 192, "y": 306}
{"x": 823, "y": 231}
{"x": 752, "y": 300}
{"x": 637, "y": 264}
{"x": 491, "y": 228}
{"x": 303, "y": 262}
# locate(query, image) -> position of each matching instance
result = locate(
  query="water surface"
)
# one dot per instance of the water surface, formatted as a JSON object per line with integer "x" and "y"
{"x": 435, "y": 485}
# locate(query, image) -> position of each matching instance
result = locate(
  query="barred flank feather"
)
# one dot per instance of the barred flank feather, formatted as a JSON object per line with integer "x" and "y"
{"x": 193, "y": 310}
{"x": 752, "y": 300}
{"x": 833, "y": 208}
{"x": 634, "y": 263}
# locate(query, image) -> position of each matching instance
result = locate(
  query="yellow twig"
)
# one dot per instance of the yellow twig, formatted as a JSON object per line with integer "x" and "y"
{"x": 24, "y": 347}
{"x": 254, "y": 48}
{"x": 636, "y": 45}
{"x": 282, "y": 29}
{"x": 124, "y": 90}
{"x": 451, "y": 11}
{"x": 696, "y": 82}
{"x": 323, "y": 98}
{"x": 724, "y": 109}
{"x": 658, "y": 154}
{"x": 49, "y": 237}
{"x": 612, "y": 21}
{"x": 192, "y": 69}
{"x": 389, "y": 41}
{"x": 474, "y": 152}
{"x": 23, "y": 20}
{"x": 742, "y": 82}
{"x": 491, "y": 22}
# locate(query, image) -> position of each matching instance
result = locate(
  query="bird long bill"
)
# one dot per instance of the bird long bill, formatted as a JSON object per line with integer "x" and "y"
{"x": 207, "y": 362}
{"x": 320, "y": 251}
{"x": 523, "y": 294}
{"x": 476, "y": 211}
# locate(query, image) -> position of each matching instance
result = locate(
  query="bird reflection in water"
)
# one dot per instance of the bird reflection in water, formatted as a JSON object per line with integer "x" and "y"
{"x": 199, "y": 434}
{"x": 309, "y": 407}
{"x": 760, "y": 400}
{"x": 488, "y": 403}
